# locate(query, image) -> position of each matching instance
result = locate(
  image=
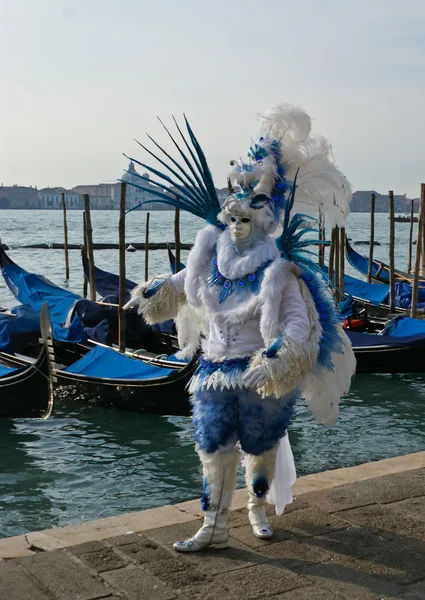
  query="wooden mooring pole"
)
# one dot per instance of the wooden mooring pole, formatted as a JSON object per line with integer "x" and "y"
{"x": 419, "y": 249}
{"x": 341, "y": 262}
{"x": 65, "y": 234}
{"x": 372, "y": 237}
{"x": 177, "y": 237}
{"x": 147, "y": 247}
{"x": 90, "y": 254}
{"x": 409, "y": 265}
{"x": 331, "y": 271}
{"x": 122, "y": 290}
{"x": 322, "y": 239}
{"x": 337, "y": 264}
{"x": 85, "y": 252}
{"x": 392, "y": 242}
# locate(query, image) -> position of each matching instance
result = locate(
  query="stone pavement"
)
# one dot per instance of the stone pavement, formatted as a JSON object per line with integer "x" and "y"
{"x": 363, "y": 540}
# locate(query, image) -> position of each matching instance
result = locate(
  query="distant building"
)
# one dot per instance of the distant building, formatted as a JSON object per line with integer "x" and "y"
{"x": 18, "y": 196}
{"x": 102, "y": 190}
{"x": 135, "y": 196}
{"x": 50, "y": 198}
{"x": 361, "y": 202}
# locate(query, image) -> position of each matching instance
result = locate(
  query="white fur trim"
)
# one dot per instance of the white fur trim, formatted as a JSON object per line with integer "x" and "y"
{"x": 164, "y": 304}
{"x": 294, "y": 360}
{"x": 234, "y": 266}
{"x": 219, "y": 469}
{"x": 217, "y": 381}
{"x": 199, "y": 262}
{"x": 263, "y": 464}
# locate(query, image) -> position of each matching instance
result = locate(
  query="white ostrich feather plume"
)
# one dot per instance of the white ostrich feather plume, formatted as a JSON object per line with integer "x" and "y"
{"x": 320, "y": 184}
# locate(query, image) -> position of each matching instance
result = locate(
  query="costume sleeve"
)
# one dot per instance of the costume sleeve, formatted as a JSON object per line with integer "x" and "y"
{"x": 296, "y": 322}
{"x": 159, "y": 299}
{"x": 177, "y": 281}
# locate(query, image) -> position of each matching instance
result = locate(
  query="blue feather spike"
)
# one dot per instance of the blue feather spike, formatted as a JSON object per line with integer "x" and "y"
{"x": 186, "y": 160}
{"x": 192, "y": 187}
{"x": 192, "y": 181}
{"x": 186, "y": 175}
{"x": 189, "y": 190}
{"x": 168, "y": 193}
{"x": 184, "y": 191}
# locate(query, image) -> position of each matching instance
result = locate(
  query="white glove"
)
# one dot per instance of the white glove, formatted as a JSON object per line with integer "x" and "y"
{"x": 256, "y": 377}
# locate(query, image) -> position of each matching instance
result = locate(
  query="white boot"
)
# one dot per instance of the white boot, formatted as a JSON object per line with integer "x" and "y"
{"x": 261, "y": 526}
{"x": 214, "y": 532}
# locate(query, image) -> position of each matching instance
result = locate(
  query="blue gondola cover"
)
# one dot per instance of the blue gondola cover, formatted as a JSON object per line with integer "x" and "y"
{"x": 104, "y": 362}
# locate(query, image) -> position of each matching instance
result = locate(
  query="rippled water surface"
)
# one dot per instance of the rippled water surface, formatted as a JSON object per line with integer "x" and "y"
{"x": 86, "y": 462}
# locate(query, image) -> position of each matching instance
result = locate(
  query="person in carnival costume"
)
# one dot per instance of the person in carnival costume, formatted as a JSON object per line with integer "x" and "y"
{"x": 267, "y": 326}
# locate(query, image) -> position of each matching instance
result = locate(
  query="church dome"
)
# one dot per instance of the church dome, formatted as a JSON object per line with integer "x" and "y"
{"x": 128, "y": 176}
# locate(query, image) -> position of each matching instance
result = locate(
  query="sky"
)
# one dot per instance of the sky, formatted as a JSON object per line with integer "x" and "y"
{"x": 80, "y": 79}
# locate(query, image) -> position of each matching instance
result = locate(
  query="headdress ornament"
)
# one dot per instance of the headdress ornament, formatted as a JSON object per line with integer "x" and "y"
{"x": 263, "y": 179}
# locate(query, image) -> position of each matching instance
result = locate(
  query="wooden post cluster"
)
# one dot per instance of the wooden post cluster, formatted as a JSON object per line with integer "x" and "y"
{"x": 147, "y": 247}
{"x": 419, "y": 250}
{"x": 392, "y": 242}
{"x": 122, "y": 290}
{"x": 322, "y": 237}
{"x": 65, "y": 234}
{"x": 337, "y": 261}
{"x": 409, "y": 265}
{"x": 89, "y": 242}
{"x": 331, "y": 268}
{"x": 177, "y": 238}
{"x": 372, "y": 237}
{"x": 341, "y": 263}
{"x": 85, "y": 252}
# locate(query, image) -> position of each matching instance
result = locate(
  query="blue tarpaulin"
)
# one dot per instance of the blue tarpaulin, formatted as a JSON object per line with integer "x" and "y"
{"x": 25, "y": 320}
{"x": 35, "y": 290}
{"x": 360, "y": 340}
{"x": 5, "y": 371}
{"x": 404, "y": 326}
{"x": 104, "y": 362}
{"x": 378, "y": 293}
{"x": 346, "y": 307}
{"x": 6, "y": 344}
{"x": 28, "y": 321}
{"x": 375, "y": 293}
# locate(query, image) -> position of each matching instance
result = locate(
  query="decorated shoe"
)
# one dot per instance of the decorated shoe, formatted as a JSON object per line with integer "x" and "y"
{"x": 261, "y": 526}
{"x": 214, "y": 532}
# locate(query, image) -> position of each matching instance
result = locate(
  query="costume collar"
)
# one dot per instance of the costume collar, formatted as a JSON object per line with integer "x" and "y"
{"x": 234, "y": 266}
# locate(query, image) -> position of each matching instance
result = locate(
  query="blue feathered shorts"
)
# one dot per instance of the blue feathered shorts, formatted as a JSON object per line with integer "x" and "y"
{"x": 225, "y": 417}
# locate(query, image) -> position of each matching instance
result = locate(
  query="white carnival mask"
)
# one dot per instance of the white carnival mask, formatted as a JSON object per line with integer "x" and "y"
{"x": 240, "y": 227}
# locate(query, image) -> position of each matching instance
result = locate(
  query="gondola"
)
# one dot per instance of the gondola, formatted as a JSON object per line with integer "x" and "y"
{"x": 380, "y": 270}
{"x": 374, "y": 298}
{"x": 24, "y": 390}
{"x": 376, "y": 353}
{"x": 147, "y": 384}
{"x": 76, "y": 319}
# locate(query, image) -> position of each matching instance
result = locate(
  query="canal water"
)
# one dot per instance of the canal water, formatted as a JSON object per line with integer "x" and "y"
{"x": 87, "y": 462}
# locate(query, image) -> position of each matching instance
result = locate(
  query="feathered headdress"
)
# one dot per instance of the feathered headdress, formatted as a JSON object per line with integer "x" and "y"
{"x": 264, "y": 178}
{"x": 285, "y": 149}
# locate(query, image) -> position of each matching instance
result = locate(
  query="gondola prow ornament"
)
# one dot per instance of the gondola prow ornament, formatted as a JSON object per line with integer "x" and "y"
{"x": 267, "y": 327}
